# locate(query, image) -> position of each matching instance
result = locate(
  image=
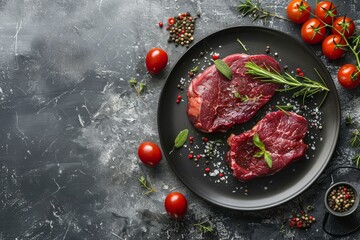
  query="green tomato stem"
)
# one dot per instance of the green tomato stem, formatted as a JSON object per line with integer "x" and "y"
{"x": 352, "y": 48}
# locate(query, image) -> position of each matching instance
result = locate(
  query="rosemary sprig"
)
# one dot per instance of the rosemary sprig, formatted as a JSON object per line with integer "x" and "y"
{"x": 242, "y": 45}
{"x": 355, "y": 138}
{"x": 304, "y": 88}
{"x": 285, "y": 108}
{"x": 204, "y": 228}
{"x": 356, "y": 160}
{"x": 349, "y": 120}
{"x": 147, "y": 185}
{"x": 256, "y": 10}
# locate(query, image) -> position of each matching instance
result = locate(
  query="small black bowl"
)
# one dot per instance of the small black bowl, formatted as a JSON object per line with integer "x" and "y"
{"x": 350, "y": 210}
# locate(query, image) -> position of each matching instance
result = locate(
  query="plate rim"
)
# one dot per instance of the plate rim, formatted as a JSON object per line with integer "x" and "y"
{"x": 336, "y": 127}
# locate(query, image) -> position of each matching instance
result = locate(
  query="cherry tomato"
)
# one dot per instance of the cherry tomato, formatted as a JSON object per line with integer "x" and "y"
{"x": 171, "y": 21}
{"x": 313, "y": 31}
{"x": 156, "y": 60}
{"x": 333, "y": 46}
{"x": 325, "y": 11}
{"x": 298, "y": 11}
{"x": 349, "y": 76}
{"x": 149, "y": 153}
{"x": 176, "y": 205}
{"x": 345, "y": 25}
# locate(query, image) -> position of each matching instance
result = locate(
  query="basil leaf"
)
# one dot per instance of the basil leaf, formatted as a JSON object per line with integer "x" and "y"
{"x": 268, "y": 159}
{"x": 258, "y": 142}
{"x": 181, "y": 138}
{"x": 222, "y": 67}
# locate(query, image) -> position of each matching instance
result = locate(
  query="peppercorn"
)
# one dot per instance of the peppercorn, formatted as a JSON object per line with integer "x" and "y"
{"x": 341, "y": 198}
{"x": 215, "y": 56}
{"x": 267, "y": 49}
{"x": 301, "y": 221}
{"x": 181, "y": 28}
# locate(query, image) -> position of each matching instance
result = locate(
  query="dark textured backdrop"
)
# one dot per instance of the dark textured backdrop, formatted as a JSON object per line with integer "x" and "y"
{"x": 70, "y": 123}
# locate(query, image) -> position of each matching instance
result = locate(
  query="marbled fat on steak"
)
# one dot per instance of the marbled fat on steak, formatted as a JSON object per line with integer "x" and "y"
{"x": 216, "y": 104}
{"x": 282, "y": 134}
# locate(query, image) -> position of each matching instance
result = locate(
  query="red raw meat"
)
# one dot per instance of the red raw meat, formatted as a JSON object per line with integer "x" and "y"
{"x": 282, "y": 134}
{"x": 216, "y": 104}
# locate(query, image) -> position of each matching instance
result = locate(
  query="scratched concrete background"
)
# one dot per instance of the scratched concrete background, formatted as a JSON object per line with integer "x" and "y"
{"x": 70, "y": 123}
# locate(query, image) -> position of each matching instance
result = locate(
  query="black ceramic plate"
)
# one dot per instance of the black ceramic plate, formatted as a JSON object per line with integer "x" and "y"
{"x": 264, "y": 192}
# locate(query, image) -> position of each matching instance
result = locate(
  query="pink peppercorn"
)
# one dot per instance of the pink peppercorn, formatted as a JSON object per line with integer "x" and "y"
{"x": 215, "y": 56}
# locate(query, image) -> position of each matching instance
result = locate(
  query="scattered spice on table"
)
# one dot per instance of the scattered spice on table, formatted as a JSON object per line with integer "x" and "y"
{"x": 181, "y": 29}
{"x": 301, "y": 221}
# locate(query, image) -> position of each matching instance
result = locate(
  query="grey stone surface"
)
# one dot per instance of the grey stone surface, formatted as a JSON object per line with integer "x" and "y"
{"x": 70, "y": 123}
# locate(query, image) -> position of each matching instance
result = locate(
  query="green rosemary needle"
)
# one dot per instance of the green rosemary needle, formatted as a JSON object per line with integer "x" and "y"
{"x": 304, "y": 88}
{"x": 256, "y": 10}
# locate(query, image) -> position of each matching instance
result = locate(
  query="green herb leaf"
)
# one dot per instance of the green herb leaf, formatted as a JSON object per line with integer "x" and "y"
{"x": 132, "y": 81}
{"x": 242, "y": 45}
{"x": 195, "y": 69}
{"x": 204, "y": 227}
{"x": 147, "y": 185}
{"x": 267, "y": 156}
{"x": 303, "y": 86}
{"x": 181, "y": 138}
{"x": 258, "y": 142}
{"x": 141, "y": 87}
{"x": 256, "y": 10}
{"x": 142, "y": 180}
{"x": 268, "y": 159}
{"x": 237, "y": 95}
{"x": 259, "y": 154}
{"x": 355, "y": 138}
{"x": 356, "y": 160}
{"x": 223, "y": 68}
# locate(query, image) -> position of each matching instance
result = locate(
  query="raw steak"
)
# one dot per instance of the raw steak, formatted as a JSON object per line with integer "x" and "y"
{"x": 282, "y": 134}
{"x": 216, "y": 104}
